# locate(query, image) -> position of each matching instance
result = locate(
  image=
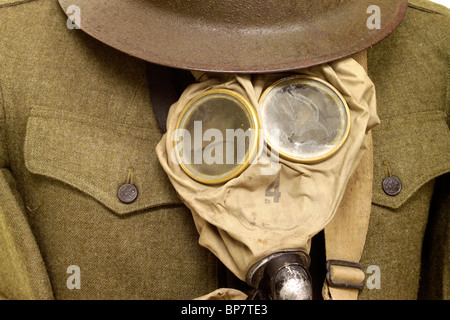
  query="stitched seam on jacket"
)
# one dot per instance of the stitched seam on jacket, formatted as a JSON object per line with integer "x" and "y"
{"x": 411, "y": 114}
{"x": 84, "y": 185}
{"x": 421, "y": 181}
{"x": 447, "y": 107}
{"x": 3, "y": 121}
{"x": 93, "y": 191}
{"x": 413, "y": 6}
{"x": 47, "y": 113}
{"x": 422, "y": 177}
{"x": 15, "y": 3}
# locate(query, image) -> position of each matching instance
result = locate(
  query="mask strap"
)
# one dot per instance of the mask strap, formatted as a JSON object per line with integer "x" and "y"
{"x": 166, "y": 86}
{"x": 345, "y": 235}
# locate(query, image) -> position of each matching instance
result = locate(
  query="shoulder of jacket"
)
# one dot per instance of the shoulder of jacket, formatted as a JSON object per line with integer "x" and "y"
{"x": 10, "y": 3}
{"x": 429, "y": 7}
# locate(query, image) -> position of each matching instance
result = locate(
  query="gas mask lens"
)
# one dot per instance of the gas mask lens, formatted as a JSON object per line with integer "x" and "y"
{"x": 216, "y": 136}
{"x": 304, "y": 118}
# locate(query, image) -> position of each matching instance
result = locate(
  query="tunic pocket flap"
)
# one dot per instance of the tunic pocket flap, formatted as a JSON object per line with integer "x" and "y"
{"x": 98, "y": 157}
{"x": 415, "y": 148}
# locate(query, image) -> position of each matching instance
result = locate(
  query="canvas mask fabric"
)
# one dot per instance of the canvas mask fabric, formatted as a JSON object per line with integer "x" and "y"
{"x": 236, "y": 220}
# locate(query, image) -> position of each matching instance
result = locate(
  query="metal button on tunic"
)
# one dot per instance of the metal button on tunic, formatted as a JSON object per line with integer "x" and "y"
{"x": 392, "y": 186}
{"x": 127, "y": 193}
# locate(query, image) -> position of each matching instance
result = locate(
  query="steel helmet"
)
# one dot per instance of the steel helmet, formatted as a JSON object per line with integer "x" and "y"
{"x": 241, "y": 36}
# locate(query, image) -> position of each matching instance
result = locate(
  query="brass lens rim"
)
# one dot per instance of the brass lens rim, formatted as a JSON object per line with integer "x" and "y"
{"x": 305, "y": 79}
{"x": 253, "y": 145}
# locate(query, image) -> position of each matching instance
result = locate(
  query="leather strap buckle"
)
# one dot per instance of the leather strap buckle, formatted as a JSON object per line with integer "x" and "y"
{"x": 342, "y": 284}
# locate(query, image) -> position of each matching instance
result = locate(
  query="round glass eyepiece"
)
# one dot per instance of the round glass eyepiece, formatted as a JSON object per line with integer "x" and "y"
{"x": 304, "y": 118}
{"x": 216, "y": 136}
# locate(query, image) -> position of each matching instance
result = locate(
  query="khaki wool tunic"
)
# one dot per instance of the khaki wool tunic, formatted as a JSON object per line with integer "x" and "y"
{"x": 76, "y": 121}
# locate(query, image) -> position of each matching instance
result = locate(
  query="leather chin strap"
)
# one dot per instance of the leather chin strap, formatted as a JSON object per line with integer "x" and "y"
{"x": 345, "y": 235}
{"x": 166, "y": 86}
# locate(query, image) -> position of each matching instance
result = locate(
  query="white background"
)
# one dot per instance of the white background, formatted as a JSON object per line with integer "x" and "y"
{"x": 444, "y": 2}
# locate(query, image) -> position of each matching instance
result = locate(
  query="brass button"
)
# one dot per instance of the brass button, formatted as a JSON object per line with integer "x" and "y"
{"x": 127, "y": 193}
{"x": 392, "y": 186}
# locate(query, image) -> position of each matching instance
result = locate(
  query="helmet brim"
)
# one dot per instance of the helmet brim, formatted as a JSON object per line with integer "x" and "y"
{"x": 141, "y": 29}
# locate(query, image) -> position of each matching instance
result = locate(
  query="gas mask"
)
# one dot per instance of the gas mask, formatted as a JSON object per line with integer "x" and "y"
{"x": 262, "y": 161}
